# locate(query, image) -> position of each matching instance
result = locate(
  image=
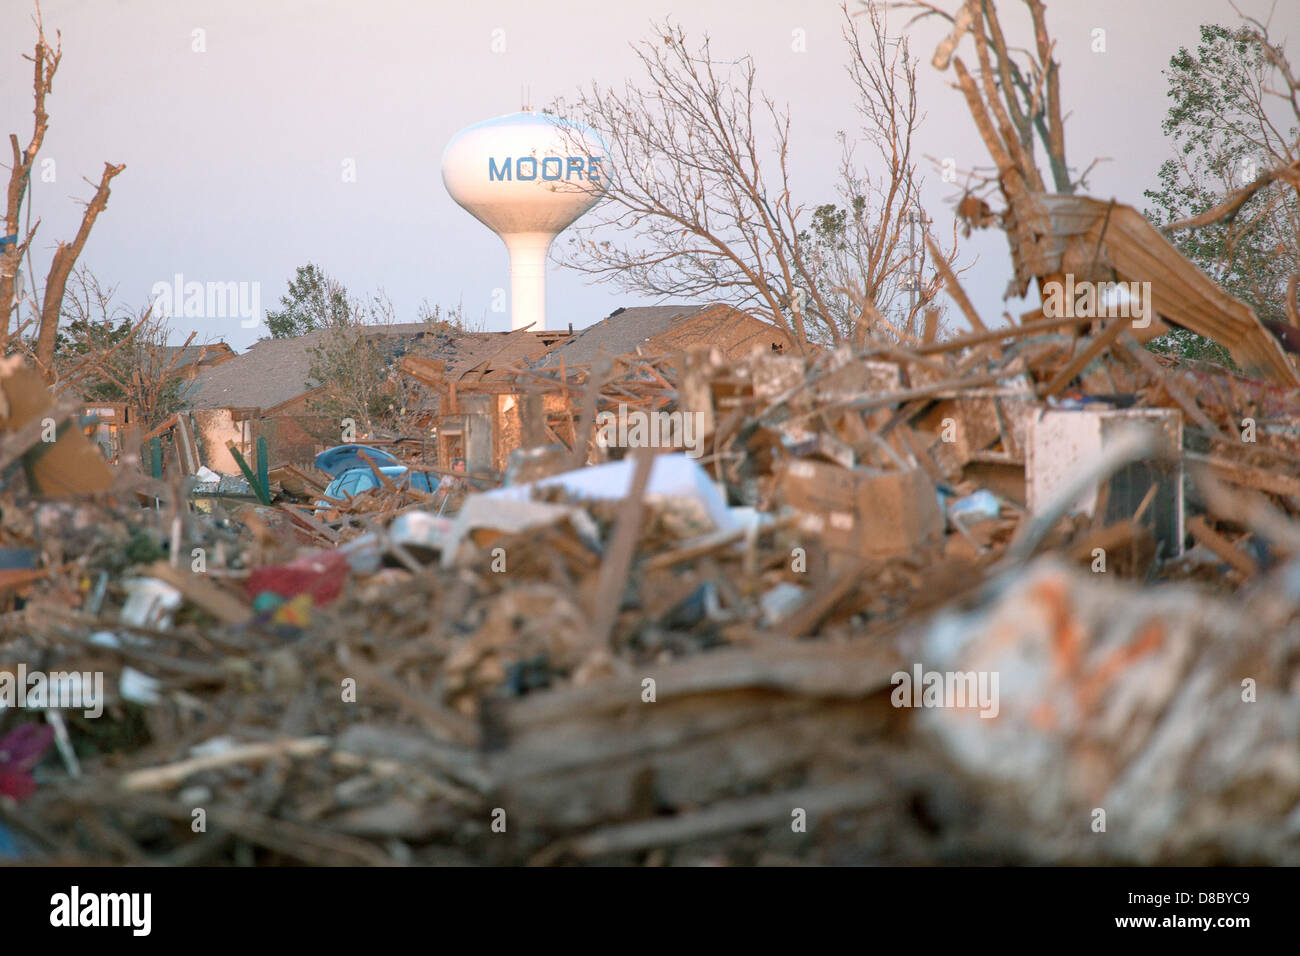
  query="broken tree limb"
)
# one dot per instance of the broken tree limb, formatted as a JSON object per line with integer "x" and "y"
{"x": 65, "y": 257}
{"x": 1227, "y": 210}
{"x": 954, "y": 288}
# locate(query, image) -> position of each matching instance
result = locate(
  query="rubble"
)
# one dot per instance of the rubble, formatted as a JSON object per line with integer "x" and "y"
{"x": 373, "y": 699}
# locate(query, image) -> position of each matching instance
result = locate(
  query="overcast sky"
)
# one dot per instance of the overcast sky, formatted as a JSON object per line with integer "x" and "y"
{"x": 235, "y": 155}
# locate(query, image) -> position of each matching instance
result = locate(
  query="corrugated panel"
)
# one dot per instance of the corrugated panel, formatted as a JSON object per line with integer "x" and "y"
{"x": 1139, "y": 252}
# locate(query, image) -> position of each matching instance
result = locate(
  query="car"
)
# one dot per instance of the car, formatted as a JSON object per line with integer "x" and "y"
{"x": 356, "y": 480}
{"x": 352, "y": 475}
{"x": 334, "y": 461}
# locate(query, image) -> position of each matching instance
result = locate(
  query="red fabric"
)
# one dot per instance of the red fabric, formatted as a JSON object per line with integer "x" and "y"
{"x": 320, "y": 574}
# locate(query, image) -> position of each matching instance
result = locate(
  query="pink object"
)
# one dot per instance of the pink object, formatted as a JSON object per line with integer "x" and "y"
{"x": 20, "y": 751}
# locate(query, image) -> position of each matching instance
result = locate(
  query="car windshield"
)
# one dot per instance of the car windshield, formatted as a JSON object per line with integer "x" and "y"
{"x": 357, "y": 480}
{"x": 351, "y": 483}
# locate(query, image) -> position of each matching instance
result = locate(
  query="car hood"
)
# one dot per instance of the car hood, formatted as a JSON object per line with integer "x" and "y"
{"x": 334, "y": 461}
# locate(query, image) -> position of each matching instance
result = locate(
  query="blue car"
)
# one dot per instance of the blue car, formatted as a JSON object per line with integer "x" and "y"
{"x": 356, "y": 480}
{"x": 353, "y": 476}
{"x": 334, "y": 461}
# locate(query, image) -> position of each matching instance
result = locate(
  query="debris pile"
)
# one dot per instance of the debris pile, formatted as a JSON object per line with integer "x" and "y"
{"x": 662, "y": 659}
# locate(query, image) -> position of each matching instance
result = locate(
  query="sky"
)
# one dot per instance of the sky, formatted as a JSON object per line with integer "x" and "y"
{"x": 259, "y": 135}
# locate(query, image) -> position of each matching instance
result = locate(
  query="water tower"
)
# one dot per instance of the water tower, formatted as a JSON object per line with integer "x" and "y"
{"x": 526, "y": 176}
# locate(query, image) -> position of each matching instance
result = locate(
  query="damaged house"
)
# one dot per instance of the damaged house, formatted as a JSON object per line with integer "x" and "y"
{"x": 267, "y": 393}
{"x": 497, "y": 392}
{"x": 671, "y": 329}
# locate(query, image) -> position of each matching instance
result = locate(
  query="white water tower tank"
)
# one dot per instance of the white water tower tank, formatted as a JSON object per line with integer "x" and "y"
{"x": 526, "y": 176}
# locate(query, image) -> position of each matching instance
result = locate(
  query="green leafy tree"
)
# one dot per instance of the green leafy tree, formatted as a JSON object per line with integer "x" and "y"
{"x": 315, "y": 301}
{"x": 1234, "y": 116}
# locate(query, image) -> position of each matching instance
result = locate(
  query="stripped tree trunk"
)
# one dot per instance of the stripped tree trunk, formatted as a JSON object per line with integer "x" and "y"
{"x": 65, "y": 257}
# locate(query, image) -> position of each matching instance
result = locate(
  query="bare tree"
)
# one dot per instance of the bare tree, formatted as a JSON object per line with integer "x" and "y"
{"x": 702, "y": 203}
{"x": 109, "y": 353}
{"x": 871, "y": 256}
{"x": 1016, "y": 107}
{"x": 1018, "y": 100}
{"x": 354, "y": 364}
{"x": 45, "y": 61}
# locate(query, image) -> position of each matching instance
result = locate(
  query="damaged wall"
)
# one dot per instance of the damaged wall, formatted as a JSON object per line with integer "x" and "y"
{"x": 213, "y": 427}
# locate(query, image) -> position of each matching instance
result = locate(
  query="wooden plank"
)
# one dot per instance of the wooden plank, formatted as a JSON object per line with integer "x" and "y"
{"x": 771, "y": 810}
{"x": 809, "y": 614}
{"x": 17, "y": 577}
{"x": 17, "y": 443}
{"x": 170, "y": 775}
{"x": 869, "y": 400}
{"x": 1109, "y": 539}
{"x": 199, "y": 590}
{"x": 618, "y": 557}
{"x": 1077, "y": 364}
{"x": 71, "y": 464}
{"x": 441, "y": 722}
{"x": 1275, "y": 483}
{"x": 998, "y": 335}
{"x": 1188, "y": 405}
{"x": 1234, "y": 556}
{"x": 814, "y": 669}
{"x": 709, "y": 543}
{"x": 309, "y": 523}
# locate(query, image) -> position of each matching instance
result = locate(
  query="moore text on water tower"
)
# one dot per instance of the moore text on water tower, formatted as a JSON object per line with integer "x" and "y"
{"x": 566, "y": 167}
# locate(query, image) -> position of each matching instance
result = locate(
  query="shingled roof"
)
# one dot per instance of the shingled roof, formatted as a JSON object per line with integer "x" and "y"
{"x": 275, "y": 371}
{"x": 620, "y": 333}
{"x": 186, "y": 355}
{"x": 665, "y": 327}
{"x": 272, "y": 371}
{"x": 477, "y": 355}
